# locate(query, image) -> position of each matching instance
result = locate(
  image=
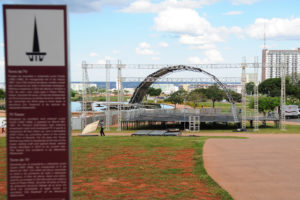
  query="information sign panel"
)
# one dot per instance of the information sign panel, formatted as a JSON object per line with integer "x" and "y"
{"x": 37, "y": 102}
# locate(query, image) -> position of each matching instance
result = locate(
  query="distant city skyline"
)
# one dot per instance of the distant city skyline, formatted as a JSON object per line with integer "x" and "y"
{"x": 172, "y": 31}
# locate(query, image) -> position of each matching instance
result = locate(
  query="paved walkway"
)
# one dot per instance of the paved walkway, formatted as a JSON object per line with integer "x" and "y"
{"x": 263, "y": 167}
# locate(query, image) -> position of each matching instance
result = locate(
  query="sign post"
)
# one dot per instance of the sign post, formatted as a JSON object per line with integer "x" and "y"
{"x": 37, "y": 102}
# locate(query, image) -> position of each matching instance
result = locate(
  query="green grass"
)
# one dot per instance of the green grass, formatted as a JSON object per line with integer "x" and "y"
{"x": 201, "y": 172}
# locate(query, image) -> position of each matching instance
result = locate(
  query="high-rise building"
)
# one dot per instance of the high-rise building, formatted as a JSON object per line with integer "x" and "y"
{"x": 272, "y": 61}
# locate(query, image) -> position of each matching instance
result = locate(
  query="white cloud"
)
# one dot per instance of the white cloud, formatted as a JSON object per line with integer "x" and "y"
{"x": 275, "y": 29}
{"x": 2, "y": 44}
{"x": 198, "y": 40}
{"x": 239, "y": 2}
{"x": 214, "y": 55}
{"x": 144, "y": 48}
{"x": 142, "y": 51}
{"x": 184, "y": 21}
{"x": 181, "y": 20}
{"x": 93, "y": 54}
{"x": 211, "y": 56}
{"x": 233, "y": 13}
{"x": 146, "y": 6}
{"x": 195, "y": 31}
{"x": 163, "y": 44}
{"x": 144, "y": 45}
{"x": 78, "y": 6}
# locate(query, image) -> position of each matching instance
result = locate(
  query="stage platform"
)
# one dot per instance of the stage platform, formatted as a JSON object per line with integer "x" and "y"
{"x": 181, "y": 117}
{"x": 155, "y": 133}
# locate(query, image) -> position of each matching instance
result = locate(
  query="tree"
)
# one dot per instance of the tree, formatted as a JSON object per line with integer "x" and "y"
{"x": 266, "y": 103}
{"x": 195, "y": 96}
{"x": 2, "y": 94}
{"x": 214, "y": 94}
{"x": 236, "y": 97}
{"x": 250, "y": 88}
{"x": 177, "y": 97}
{"x": 73, "y": 93}
{"x": 153, "y": 92}
{"x": 272, "y": 87}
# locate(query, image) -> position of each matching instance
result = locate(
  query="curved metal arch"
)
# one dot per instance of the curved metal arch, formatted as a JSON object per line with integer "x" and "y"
{"x": 142, "y": 88}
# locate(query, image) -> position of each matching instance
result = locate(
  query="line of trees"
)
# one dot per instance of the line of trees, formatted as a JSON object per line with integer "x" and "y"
{"x": 196, "y": 96}
{"x": 270, "y": 92}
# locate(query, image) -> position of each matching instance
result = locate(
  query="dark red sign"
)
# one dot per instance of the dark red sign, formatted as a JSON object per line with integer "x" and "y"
{"x": 37, "y": 102}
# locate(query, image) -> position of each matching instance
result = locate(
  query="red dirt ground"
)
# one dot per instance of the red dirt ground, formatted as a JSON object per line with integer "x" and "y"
{"x": 2, "y": 171}
{"x": 131, "y": 174}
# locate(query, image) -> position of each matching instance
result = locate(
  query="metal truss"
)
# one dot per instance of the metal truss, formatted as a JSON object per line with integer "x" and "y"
{"x": 283, "y": 96}
{"x": 227, "y": 80}
{"x": 256, "y": 113}
{"x": 159, "y": 66}
{"x": 244, "y": 99}
{"x": 108, "y": 114}
{"x": 141, "y": 90}
{"x": 120, "y": 95}
{"x": 86, "y": 95}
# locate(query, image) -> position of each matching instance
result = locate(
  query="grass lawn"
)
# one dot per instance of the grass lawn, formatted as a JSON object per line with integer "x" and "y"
{"x": 136, "y": 168}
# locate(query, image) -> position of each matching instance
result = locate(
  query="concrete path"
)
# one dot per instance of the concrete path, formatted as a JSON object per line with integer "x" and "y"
{"x": 263, "y": 167}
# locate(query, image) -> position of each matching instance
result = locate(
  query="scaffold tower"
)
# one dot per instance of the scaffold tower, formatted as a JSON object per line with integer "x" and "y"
{"x": 244, "y": 111}
{"x": 108, "y": 114}
{"x": 120, "y": 95}
{"x": 83, "y": 94}
{"x": 283, "y": 96}
{"x": 255, "y": 96}
{"x": 194, "y": 123}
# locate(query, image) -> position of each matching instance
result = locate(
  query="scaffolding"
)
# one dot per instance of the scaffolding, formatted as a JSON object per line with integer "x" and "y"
{"x": 255, "y": 97}
{"x": 283, "y": 96}
{"x": 108, "y": 66}
{"x": 244, "y": 100}
{"x": 86, "y": 95}
{"x": 194, "y": 123}
{"x": 107, "y": 114}
{"x": 120, "y": 94}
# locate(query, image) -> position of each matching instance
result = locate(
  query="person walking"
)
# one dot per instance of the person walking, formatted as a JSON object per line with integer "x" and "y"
{"x": 3, "y": 127}
{"x": 101, "y": 125}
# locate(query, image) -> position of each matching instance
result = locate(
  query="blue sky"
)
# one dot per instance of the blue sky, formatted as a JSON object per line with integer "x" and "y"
{"x": 173, "y": 31}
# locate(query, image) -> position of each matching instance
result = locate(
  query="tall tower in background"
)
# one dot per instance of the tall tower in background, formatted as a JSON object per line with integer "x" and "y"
{"x": 263, "y": 69}
{"x": 264, "y": 51}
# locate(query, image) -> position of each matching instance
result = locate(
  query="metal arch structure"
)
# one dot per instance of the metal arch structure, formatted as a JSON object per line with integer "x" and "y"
{"x": 142, "y": 88}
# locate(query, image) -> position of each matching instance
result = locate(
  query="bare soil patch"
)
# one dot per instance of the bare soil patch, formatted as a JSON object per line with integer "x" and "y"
{"x": 133, "y": 173}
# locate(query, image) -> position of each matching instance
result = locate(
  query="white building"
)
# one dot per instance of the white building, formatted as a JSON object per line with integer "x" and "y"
{"x": 79, "y": 86}
{"x": 166, "y": 88}
{"x": 251, "y": 77}
{"x": 272, "y": 62}
{"x": 184, "y": 87}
